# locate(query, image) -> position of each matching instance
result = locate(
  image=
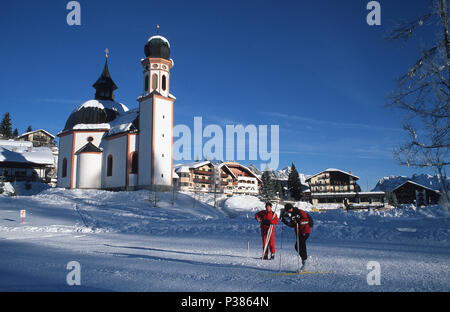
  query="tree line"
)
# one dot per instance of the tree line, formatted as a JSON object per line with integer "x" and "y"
{"x": 6, "y": 131}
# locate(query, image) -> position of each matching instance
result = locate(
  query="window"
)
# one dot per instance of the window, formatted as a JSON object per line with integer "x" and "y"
{"x": 109, "y": 166}
{"x": 163, "y": 82}
{"x": 64, "y": 168}
{"x": 154, "y": 81}
{"x": 146, "y": 83}
{"x": 134, "y": 163}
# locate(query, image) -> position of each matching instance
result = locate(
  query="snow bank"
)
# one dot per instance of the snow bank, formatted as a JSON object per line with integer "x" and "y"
{"x": 23, "y": 188}
{"x": 240, "y": 203}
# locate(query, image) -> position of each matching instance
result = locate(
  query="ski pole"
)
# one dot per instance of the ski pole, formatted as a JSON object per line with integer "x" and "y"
{"x": 266, "y": 244}
{"x": 248, "y": 240}
{"x": 269, "y": 232}
{"x": 281, "y": 247}
{"x": 298, "y": 250}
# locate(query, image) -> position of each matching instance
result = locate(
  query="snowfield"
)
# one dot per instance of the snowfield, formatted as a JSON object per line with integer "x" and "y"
{"x": 124, "y": 243}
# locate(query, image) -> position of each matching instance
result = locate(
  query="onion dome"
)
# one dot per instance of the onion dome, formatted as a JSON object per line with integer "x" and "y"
{"x": 94, "y": 114}
{"x": 157, "y": 47}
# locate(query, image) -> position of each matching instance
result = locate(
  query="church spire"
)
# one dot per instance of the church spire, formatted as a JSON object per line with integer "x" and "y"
{"x": 105, "y": 86}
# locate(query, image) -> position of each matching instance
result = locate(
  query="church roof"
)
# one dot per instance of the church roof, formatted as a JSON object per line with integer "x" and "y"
{"x": 89, "y": 148}
{"x": 128, "y": 121}
{"x": 95, "y": 113}
{"x": 157, "y": 47}
{"x": 105, "y": 79}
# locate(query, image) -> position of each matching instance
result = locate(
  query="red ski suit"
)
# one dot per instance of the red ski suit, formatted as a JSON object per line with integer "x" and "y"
{"x": 265, "y": 216}
{"x": 303, "y": 224}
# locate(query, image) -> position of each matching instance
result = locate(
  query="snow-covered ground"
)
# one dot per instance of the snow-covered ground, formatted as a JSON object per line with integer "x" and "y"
{"x": 124, "y": 243}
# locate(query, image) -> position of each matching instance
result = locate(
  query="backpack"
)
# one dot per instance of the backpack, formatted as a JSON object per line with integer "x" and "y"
{"x": 311, "y": 221}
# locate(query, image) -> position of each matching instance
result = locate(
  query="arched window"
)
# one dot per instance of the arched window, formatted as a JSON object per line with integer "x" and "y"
{"x": 163, "y": 82}
{"x": 64, "y": 168}
{"x": 134, "y": 163}
{"x": 109, "y": 166}
{"x": 154, "y": 81}
{"x": 146, "y": 83}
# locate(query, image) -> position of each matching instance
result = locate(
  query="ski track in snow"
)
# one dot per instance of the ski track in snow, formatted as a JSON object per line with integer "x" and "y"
{"x": 124, "y": 243}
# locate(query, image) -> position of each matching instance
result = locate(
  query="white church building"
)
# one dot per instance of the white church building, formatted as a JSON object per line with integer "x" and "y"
{"x": 105, "y": 145}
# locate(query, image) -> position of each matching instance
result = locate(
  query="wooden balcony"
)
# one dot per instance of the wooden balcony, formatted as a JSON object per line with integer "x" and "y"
{"x": 197, "y": 171}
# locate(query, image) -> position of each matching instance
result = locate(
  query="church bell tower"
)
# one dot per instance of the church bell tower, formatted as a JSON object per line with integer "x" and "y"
{"x": 156, "y": 115}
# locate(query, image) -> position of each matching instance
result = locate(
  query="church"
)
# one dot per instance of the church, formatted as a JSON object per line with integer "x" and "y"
{"x": 105, "y": 145}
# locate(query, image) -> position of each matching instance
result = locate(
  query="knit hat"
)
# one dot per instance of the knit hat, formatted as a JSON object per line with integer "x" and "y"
{"x": 288, "y": 206}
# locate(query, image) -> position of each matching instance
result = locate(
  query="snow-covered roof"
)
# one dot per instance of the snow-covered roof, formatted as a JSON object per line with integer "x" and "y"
{"x": 36, "y": 155}
{"x": 194, "y": 165}
{"x": 13, "y": 143}
{"x": 417, "y": 184}
{"x": 124, "y": 122}
{"x": 332, "y": 170}
{"x": 230, "y": 164}
{"x": 119, "y": 107}
{"x": 30, "y": 132}
{"x": 103, "y": 126}
{"x": 91, "y": 115}
{"x": 159, "y": 37}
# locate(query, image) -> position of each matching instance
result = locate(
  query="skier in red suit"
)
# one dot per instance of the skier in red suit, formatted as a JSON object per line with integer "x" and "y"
{"x": 266, "y": 218}
{"x": 300, "y": 221}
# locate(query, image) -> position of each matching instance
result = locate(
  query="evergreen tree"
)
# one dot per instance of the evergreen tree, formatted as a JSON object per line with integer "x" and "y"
{"x": 5, "y": 126}
{"x": 29, "y": 129}
{"x": 15, "y": 133}
{"x": 294, "y": 185}
{"x": 278, "y": 187}
{"x": 267, "y": 188}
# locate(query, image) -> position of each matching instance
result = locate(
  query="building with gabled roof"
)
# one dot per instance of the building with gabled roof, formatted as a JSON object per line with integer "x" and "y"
{"x": 410, "y": 192}
{"x": 21, "y": 161}
{"x": 224, "y": 177}
{"x": 338, "y": 186}
{"x": 39, "y": 137}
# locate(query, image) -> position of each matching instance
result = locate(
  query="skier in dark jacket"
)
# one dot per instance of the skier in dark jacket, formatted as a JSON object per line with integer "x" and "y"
{"x": 266, "y": 218}
{"x": 299, "y": 220}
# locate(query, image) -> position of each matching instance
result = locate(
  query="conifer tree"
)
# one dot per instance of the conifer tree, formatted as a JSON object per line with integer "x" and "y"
{"x": 294, "y": 185}
{"x": 5, "y": 126}
{"x": 267, "y": 188}
{"x": 15, "y": 133}
{"x": 29, "y": 129}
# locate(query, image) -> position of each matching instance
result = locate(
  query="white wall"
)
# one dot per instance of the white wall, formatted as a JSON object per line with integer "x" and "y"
{"x": 89, "y": 170}
{"x": 116, "y": 147}
{"x": 65, "y": 151}
{"x": 162, "y": 163}
{"x": 80, "y": 141}
{"x": 133, "y": 147}
{"x": 145, "y": 141}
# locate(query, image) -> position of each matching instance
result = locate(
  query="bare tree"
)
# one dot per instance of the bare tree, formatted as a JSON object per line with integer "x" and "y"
{"x": 423, "y": 94}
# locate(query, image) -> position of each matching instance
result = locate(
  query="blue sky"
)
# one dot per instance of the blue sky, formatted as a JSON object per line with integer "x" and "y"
{"x": 315, "y": 68}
